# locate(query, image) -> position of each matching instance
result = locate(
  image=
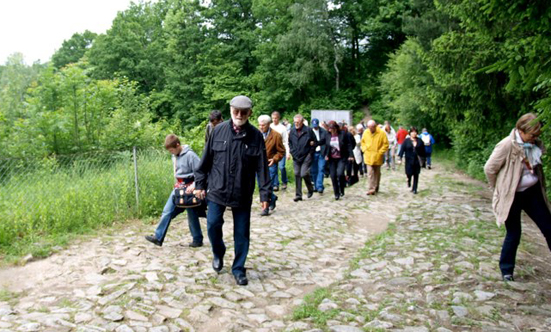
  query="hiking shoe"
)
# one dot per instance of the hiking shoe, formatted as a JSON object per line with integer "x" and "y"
{"x": 195, "y": 244}
{"x": 264, "y": 213}
{"x": 154, "y": 240}
{"x": 508, "y": 277}
{"x": 273, "y": 204}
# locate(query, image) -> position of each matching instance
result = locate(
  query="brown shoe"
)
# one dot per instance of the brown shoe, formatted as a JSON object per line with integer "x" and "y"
{"x": 371, "y": 192}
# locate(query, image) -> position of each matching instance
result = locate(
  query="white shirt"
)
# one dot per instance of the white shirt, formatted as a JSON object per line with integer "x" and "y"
{"x": 317, "y": 132}
{"x": 282, "y": 130}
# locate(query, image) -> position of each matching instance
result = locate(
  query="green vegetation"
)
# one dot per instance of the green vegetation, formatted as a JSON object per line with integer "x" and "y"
{"x": 465, "y": 70}
{"x": 88, "y": 192}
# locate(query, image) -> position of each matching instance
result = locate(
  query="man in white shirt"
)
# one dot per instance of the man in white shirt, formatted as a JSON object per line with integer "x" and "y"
{"x": 282, "y": 130}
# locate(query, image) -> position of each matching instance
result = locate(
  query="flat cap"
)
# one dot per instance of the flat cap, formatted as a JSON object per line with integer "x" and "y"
{"x": 241, "y": 102}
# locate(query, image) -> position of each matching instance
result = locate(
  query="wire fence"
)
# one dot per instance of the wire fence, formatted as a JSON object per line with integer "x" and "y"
{"x": 68, "y": 194}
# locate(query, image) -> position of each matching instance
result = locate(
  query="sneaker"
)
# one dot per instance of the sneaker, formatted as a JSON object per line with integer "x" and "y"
{"x": 508, "y": 277}
{"x": 196, "y": 244}
{"x": 284, "y": 186}
{"x": 265, "y": 213}
{"x": 276, "y": 188}
{"x": 154, "y": 240}
{"x": 273, "y": 204}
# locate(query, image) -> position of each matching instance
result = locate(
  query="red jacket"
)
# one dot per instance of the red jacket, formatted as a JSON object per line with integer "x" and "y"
{"x": 401, "y": 136}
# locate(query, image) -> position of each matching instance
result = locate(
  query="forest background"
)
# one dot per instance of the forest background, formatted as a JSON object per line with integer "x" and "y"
{"x": 464, "y": 69}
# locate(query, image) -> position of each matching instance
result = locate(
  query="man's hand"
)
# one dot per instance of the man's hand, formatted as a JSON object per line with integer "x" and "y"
{"x": 351, "y": 158}
{"x": 326, "y": 158}
{"x": 289, "y": 157}
{"x": 265, "y": 205}
{"x": 312, "y": 143}
{"x": 199, "y": 194}
{"x": 270, "y": 162}
{"x": 190, "y": 189}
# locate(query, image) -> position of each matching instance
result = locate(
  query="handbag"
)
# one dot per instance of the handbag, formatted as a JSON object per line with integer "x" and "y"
{"x": 184, "y": 200}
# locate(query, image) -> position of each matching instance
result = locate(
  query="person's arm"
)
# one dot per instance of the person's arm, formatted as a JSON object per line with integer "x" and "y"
{"x": 495, "y": 163}
{"x": 204, "y": 166}
{"x": 264, "y": 181}
{"x": 384, "y": 145}
{"x": 432, "y": 141}
{"x": 280, "y": 148}
{"x": 401, "y": 152}
{"x": 350, "y": 145}
{"x": 285, "y": 138}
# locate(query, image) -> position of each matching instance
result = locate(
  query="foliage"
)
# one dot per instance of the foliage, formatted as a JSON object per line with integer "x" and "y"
{"x": 76, "y": 194}
{"x": 73, "y": 49}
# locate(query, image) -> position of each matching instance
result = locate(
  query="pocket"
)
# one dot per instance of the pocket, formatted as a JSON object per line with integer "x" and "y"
{"x": 220, "y": 151}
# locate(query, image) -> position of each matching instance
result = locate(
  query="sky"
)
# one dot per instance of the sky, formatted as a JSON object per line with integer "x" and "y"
{"x": 37, "y": 28}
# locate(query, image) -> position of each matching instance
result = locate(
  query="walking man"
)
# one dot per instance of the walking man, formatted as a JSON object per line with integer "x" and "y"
{"x": 374, "y": 146}
{"x": 282, "y": 130}
{"x": 235, "y": 155}
{"x": 275, "y": 151}
{"x": 318, "y": 163}
{"x": 302, "y": 143}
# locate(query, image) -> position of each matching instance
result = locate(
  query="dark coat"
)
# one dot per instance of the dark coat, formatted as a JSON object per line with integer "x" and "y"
{"x": 322, "y": 141}
{"x": 229, "y": 166}
{"x": 346, "y": 146}
{"x": 412, "y": 164}
{"x": 299, "y": 144}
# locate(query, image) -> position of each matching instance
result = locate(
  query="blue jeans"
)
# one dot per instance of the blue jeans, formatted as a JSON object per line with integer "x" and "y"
{"x": 241, "y": 233}
{"x": 281, "y": 167}
{"x": 170, "y": 212}
{"x": 318, "y": 164}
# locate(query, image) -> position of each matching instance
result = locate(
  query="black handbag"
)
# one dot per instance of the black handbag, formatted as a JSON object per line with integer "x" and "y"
{"x": 185, "y": 200}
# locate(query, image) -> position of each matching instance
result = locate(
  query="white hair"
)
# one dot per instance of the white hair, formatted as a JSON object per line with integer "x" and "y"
{"x": 264, "y": 119}
{"x": 359, "y": 126}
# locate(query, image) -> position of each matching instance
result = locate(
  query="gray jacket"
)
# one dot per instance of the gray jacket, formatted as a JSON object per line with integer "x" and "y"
{"x": 185, "y": 163}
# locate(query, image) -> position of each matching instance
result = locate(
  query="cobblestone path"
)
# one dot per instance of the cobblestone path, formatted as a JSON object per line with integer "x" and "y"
{"x": 309, "y": 268}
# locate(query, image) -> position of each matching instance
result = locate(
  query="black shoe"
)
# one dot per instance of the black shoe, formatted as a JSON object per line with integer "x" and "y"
{"x": 310, "y": 194}
{"x": 320, "y": 191}
{"x": 342, "y": 194}
{"x": 337, "y": 197}
{"x": 273, "y": 204}
{"x": 297, "y": 198}
{"x": 284, "y": 187}
{"x": 276, "y": 188}
{"x": 508, "y": 277}
{"x": 196, "y": 244}
{"x": 217, "y": 264}
{"x": 414, "y": 192}
{"x": 429, "y": 167}
{"x": 241, "y": 279}
{"x": 153, "y": 239}
{"x": 264, "y": 213}
{"x": 409, "y": 184}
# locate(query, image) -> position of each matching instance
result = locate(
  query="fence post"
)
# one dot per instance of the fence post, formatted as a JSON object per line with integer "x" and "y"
{"x": 136, "y": 180}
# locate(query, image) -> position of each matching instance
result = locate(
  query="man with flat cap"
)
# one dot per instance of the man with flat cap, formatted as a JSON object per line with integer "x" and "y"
{"x": 233, "y": 156}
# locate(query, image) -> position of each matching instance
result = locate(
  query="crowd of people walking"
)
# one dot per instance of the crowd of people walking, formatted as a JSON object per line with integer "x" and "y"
{"x": 238, "y": 156}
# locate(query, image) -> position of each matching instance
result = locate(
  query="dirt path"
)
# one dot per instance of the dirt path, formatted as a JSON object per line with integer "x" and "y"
{"x": 120, "y": 282}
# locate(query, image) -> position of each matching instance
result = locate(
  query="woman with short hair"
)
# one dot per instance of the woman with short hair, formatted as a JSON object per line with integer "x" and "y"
{"x": 515, "y": 172}
{"x": 414, "y": 149}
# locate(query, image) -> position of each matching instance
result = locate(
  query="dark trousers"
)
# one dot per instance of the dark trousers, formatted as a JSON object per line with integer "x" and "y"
{"x": 336, "y": 169}
{"x": 302, "y": 171}
{"x": 415, "y": 181}
{"x": 533, "y": 203}
{"x": 241, "y": 233}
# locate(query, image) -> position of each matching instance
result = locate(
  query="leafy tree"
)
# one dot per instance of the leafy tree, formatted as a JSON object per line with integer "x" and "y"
{"x": 73, "y": 49}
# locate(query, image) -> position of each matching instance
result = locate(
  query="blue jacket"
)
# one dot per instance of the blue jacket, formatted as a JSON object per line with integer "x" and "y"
{"x": 428, "y": 148}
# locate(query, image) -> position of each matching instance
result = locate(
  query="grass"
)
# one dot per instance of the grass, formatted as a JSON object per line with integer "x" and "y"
{"x": 309, "y": 309}
{"x": 77, "y": 196}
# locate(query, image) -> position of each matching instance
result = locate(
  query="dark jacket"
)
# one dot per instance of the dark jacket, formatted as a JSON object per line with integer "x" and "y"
{"x": 322, "y": 141}
{"x": 299, "y": 144}
{"x": 345, "y": 145}
{"x": 412, "y": 164}
{"x": 229, "y": 166}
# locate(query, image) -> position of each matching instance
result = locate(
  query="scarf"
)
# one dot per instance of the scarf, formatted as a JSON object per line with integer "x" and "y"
{"x": 531, "y": 151}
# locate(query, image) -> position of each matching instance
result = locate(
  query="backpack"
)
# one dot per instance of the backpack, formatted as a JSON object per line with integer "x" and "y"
{"x": 426, "y": 139}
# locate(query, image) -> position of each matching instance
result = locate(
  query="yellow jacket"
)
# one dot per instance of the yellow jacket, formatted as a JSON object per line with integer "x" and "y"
{"x": 374, "y": 146}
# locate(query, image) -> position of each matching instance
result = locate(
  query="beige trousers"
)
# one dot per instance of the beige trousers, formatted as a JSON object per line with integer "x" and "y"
{"x": 374, "y": 178}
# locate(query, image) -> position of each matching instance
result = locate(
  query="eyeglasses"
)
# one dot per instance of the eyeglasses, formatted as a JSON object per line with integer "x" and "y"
{"x": 243, "y": 112}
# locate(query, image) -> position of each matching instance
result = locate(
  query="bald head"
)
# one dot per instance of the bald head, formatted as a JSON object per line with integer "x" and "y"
{"x": 372, "y": 126}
